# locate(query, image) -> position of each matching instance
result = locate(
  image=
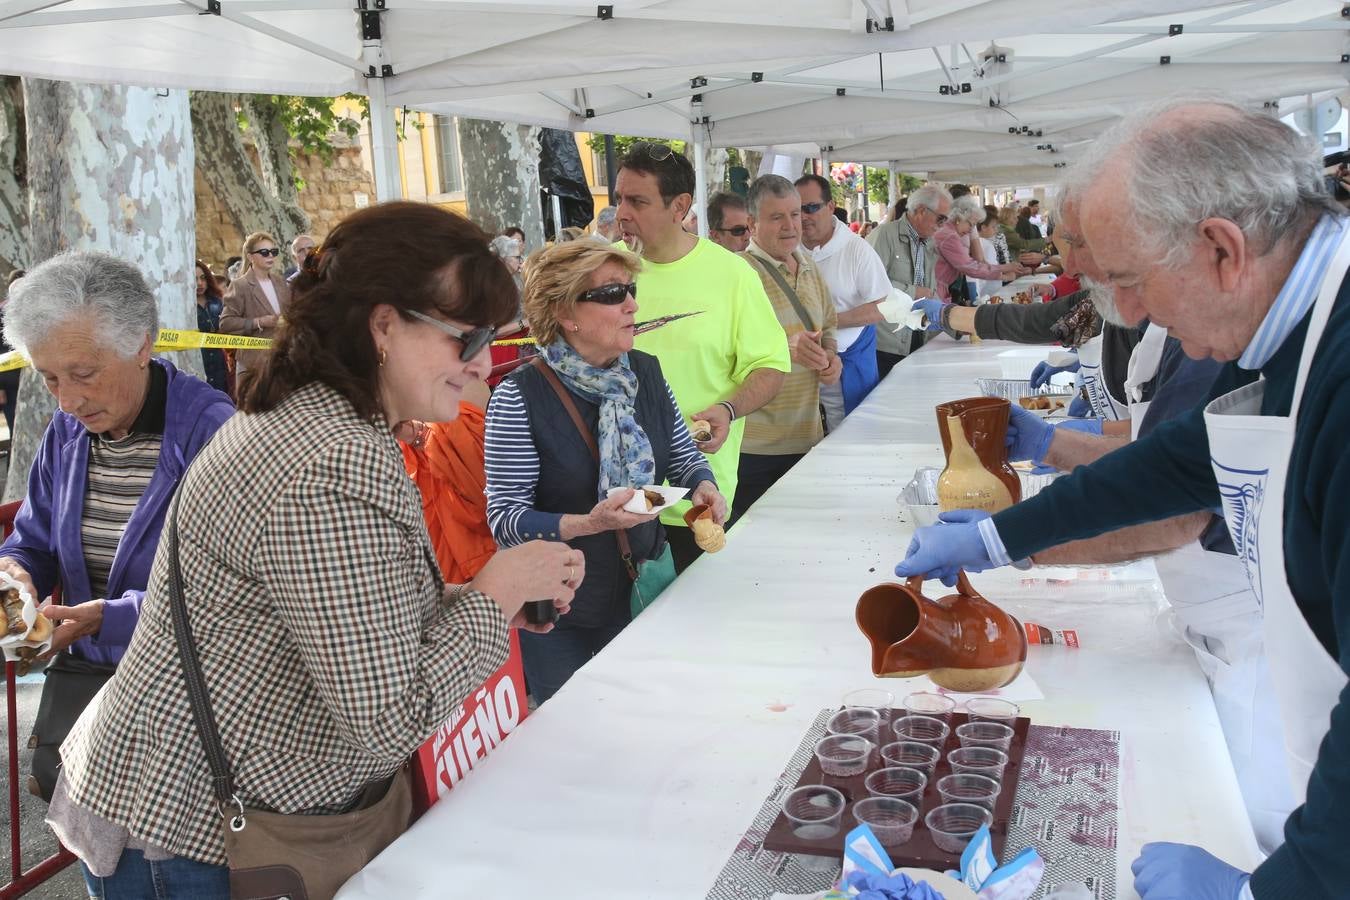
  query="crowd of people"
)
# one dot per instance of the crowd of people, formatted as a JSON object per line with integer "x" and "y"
{"x": 357, "y": 514}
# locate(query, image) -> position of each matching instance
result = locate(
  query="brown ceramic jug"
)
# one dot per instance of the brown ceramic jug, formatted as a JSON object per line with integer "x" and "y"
{"x": 962, "y": 641}
{"x": 977, "y": 475}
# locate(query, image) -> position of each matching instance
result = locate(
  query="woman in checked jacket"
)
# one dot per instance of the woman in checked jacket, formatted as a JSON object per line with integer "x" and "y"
{"x": 330, "y": 646}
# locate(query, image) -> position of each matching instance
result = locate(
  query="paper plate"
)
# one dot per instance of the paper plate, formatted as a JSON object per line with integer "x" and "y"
{"x": 948, "y": 887}
{"x": 670, "y": 496}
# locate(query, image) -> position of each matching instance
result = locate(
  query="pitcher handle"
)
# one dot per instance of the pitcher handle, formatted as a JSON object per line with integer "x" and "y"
{"x": 915, "y": 584}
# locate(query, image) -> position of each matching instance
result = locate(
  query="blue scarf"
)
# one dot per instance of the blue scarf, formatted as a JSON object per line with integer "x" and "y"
{"x": 625, "y": 452}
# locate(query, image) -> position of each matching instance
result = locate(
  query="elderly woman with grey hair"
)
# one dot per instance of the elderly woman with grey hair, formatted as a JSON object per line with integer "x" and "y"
{"x": 126, "y": 428}
{"x": 954, "y": 263}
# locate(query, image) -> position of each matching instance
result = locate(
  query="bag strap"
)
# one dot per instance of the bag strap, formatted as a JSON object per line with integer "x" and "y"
{"x": 788, "y": 292}
{"x": 222, "y": 781}
{"x": 620, "y": 535}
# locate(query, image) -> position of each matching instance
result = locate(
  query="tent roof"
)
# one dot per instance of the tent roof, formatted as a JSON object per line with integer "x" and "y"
{"x": 1064, "y": 83}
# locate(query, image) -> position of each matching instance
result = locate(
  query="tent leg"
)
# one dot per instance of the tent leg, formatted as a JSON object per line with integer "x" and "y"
{"x": 701, "y": 182}
{"x": 892, "y": 195}
{"x": 383, "y": 144}
{"x": 557, "y": 217}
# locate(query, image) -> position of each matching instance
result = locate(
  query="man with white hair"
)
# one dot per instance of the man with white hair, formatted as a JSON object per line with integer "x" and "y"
{"x": 1214, "y": 222}
{"x": 907, "y": 250}
{"x": 301, "y": 248}
{"x": 607, "y": 225}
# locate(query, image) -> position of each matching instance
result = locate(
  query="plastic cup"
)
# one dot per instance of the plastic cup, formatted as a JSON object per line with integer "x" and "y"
{"x": 926, "y": 703}
{"x": 968, "y": 788}
{"x": 870, "y": 698}
{"x": 892, "y": 820}
{"x": 952, "y": 825}
{"x": 985, "y": 734}
{"x": 992, "y": 709}
{"x": 923, "y": 729}
{"x": 900, "y": 782}
{"x": 814, "y": 811}
{"x": 856, "y": 720}
{"x": 843, "y": 754}
{"x": 984, "y": 761}
{"x": 911, "y": 755}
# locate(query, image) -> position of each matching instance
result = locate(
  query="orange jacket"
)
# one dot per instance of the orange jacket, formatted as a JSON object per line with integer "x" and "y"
{"x": 448, "y": 470}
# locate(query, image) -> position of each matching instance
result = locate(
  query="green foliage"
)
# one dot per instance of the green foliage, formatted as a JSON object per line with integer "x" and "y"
{"x": 313, "y": 121}
{"x": 624, "y": 142}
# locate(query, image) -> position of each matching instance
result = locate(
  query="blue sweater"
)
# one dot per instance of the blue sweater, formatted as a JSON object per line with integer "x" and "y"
{"x": 1174, "y": 462}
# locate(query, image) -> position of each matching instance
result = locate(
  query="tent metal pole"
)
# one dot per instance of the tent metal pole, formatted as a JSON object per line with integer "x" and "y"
{"x": 557, "y": 216}
{"x": 383, "y": 143}
{"x": 701, "y": 181}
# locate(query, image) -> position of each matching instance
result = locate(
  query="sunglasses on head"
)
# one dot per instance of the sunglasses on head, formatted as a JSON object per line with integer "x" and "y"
{"x": 812, "y": 208}
{"x": 609, "y": 294}
{"x": 656, "y": 152}
{"x": 268, "y": 251}
{"x": 474, "y": 340}
{"x": 738, "y": 230}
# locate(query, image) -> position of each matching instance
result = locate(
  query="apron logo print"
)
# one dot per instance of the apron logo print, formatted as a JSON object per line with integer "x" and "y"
{"x": 1243, "y": 497}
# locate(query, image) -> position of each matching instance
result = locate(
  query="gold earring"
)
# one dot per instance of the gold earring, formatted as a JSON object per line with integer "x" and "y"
{"x": 383, "y": 357}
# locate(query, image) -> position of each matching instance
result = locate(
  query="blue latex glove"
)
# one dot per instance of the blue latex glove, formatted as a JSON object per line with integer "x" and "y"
{"x": 1029, "y": 435}
{"x": 1079, "y": 408}
{"x": 1087, "y": 426}
{"x": 943, "y": 550}
{"x": 1040, "y": 376}
{"x": 932, "y": 308}
{"x": 1167, "y": 871}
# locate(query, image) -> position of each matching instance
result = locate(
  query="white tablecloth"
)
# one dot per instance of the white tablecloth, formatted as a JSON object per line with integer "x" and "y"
{"x": 640, "y": 776}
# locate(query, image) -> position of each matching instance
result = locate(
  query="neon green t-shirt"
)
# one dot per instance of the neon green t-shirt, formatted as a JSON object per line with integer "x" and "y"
{"x": 705, "y": 358}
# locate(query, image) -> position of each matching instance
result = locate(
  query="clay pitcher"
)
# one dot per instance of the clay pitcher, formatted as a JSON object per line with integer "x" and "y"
{"x": 977, "y": 475}
{"x": 962, "y": 641}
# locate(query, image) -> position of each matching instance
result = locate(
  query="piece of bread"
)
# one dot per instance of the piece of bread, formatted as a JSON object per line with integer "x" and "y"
{"x": 653, "y": 499}
{"x": 700, "y": 430}
{"x": 41, "y": 630}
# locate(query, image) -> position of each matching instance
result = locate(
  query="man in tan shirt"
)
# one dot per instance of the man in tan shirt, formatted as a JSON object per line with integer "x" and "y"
{"x": 779, "y": 433}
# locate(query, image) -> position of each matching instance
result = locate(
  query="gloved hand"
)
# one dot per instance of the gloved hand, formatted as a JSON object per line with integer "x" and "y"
{"x": 1091, "y": 425}
{"x": 1029, "y": 435}
{"x": 932, "y": 310}
{"x": 1040, "y": 376}
{"x": 1166, "y": 871}
{"x": 1079, "y": 407}
{"x": 943, "y": 550}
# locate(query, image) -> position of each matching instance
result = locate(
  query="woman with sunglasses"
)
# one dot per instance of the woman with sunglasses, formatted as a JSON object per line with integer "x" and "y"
{"x": 256, "y": 300}
{"x": 543, "y": 477}
{"x": 330, "y": 646}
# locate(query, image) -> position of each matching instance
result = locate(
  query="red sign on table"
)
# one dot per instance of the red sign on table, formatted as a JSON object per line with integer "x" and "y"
{"x": 473, "y": 731}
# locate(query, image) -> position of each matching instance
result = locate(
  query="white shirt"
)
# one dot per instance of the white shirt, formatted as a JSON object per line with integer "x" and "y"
{"x": 989, "y": 286}
{"x": 854, "y": 272}
{"x": 271, "y": 293}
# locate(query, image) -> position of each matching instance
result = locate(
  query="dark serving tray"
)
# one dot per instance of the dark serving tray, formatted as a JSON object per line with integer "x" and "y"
{"x": 919, "y": 850}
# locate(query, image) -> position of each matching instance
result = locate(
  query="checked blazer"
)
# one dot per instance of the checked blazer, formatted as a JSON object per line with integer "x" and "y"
{"x": 329, "y": 652}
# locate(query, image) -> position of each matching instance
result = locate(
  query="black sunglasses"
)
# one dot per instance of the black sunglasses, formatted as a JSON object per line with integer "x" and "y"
{"x": 812, "y": 208}
{"x": 738, "y": 230}
{"x": 474, "y": 340}
{"x": 268, "y": 252}
{"x": 609, "y": 294}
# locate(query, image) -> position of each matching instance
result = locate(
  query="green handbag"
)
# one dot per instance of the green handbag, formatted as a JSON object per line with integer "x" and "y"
{"x": 655, "y": 577}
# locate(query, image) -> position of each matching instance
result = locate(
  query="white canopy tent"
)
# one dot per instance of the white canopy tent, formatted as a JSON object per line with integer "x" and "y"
{"x": 552, "y": 62}
{"x": 996, "y": 110}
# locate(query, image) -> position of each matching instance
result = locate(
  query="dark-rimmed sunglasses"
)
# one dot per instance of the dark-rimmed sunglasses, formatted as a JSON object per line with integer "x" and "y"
{"x": 812, "y": 208}
{"x": 474, "y": 340}
{"x": 609, "y": 294}
{"x": 268, "y": 251}
{"x": 738, "y": 230}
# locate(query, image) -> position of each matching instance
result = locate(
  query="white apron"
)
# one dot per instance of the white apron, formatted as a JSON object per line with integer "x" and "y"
{"x": 1144, "y": 362}
{"x": 1104, "y": 406}
{"x": 1250, "y": 453}
{"x": 1219, "y": 617}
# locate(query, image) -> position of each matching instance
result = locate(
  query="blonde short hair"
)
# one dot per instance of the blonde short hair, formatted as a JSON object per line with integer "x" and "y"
{"x": 253, "y": 240}
{"x": 1007, "y": 216}
{"x": 556, "y": 276}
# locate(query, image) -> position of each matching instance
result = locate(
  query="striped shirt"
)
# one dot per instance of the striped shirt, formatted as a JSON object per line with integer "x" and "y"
{"x": 513, "y": 468}
{"x": 790, "y": 422}
{"x": 1299, "y": 292}
{"x": 119, "y": 473}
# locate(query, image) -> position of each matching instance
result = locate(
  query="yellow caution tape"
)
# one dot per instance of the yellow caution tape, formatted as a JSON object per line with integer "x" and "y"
{"x": 174, "y": 339}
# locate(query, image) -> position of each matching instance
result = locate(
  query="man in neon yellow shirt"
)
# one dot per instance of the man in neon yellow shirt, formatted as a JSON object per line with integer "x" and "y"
{"x": 722, "y": 365}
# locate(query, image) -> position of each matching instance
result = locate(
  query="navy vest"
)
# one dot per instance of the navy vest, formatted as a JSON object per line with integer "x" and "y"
{"x": 569, "y": 475}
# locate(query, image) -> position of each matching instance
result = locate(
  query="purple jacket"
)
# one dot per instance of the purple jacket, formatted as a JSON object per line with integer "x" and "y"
{"x": 46, "y": 539}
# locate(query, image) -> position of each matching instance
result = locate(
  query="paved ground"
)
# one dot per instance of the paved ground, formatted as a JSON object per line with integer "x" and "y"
{"x": 37, "y": 841}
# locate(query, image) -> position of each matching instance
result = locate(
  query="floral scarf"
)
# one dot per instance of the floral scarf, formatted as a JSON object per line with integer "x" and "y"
{"x": 626, "y": 458}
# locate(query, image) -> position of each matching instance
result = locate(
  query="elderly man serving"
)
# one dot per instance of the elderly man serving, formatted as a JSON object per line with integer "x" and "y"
{"x": 1246, "y": 263}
